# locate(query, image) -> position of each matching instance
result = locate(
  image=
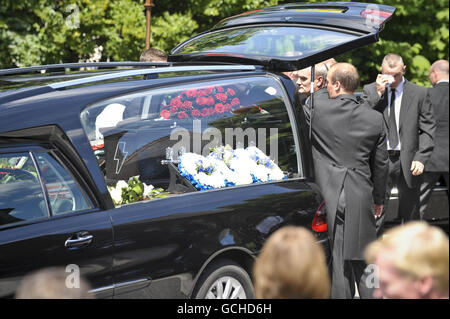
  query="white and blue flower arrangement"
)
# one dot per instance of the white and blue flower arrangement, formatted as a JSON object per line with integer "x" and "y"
{"x": 225, "y": 167}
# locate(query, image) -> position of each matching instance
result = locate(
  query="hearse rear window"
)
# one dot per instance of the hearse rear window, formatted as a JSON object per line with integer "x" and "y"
{"x": 193, "y": 137}
{"x": 270, "y": 41}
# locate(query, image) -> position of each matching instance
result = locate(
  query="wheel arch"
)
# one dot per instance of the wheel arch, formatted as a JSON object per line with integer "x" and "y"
{"x": 240, "y": 255}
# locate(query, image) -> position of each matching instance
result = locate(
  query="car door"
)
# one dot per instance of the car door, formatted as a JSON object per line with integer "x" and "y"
{"x": 47, "y": 219}
{"x": 287, "y": 37}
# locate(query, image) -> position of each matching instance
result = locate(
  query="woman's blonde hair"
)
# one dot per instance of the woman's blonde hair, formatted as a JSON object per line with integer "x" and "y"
{"x": 420, "y": 251}
{"x": 291, "y": 265}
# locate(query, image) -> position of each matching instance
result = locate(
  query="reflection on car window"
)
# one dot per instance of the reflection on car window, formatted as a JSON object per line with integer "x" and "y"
{"x": 21, "y": 196}
{"x": 159, "y": 125}
{"x": 266, "y": 41}
{"x": 21, "y": 192}
{"x": 64, "y": 193}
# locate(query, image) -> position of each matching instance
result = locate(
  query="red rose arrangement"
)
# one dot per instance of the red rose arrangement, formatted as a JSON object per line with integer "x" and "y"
{"x": 201, "y": 103}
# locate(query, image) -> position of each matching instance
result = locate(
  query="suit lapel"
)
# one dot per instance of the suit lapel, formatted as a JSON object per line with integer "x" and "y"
{"x": 406, "y": 101}
{"x": 385, "y": 112}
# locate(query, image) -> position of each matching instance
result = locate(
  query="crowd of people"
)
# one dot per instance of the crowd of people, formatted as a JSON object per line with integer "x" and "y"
{"x": 395, "y": 136}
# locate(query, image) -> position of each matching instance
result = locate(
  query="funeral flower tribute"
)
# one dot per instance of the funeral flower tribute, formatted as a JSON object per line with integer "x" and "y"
{"x": 201, "y": 103}
{"x": 227, "y": 167}
{"x": 134, "y": 191}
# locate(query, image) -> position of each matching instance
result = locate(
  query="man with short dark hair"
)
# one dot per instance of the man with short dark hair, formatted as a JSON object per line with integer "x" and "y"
{"x": 350, "y": 159}
{"x": 437, "y": 166}
{"x": 153, "y": 55}
{"x": 410, "y": 125}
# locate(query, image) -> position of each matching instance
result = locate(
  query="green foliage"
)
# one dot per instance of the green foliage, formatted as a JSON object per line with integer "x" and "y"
{"x": 46, "y": 31}
{"x": 169, "y": 30}
{"x": 418, "y": 32}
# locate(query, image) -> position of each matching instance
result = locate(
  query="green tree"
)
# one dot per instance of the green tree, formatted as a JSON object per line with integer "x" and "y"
{"x": 44, "y": 31}
{"x": 418, "y": 31}
{"x": 36, "y": 32}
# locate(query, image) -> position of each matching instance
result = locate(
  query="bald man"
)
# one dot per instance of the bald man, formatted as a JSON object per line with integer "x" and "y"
{"x": 437, "y": 166}
{"x": 350, "y": 159}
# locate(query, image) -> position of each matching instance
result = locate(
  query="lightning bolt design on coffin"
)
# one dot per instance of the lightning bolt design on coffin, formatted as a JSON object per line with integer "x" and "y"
{"x": 120, "y": 149}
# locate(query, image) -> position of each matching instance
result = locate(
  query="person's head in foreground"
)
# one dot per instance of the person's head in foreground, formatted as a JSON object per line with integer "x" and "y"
{"x": 411, "y": 262}
{"x": 53, "y": 283}
{"x": 291, "y": 265}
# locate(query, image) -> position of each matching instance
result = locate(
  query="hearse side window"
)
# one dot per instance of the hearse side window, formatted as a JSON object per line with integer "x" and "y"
{"x": 22, "y": 196}
{"x": 64, "y": 194}
{"x": 146, "y": 134}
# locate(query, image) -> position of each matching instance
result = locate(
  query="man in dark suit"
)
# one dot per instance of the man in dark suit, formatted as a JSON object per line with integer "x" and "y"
{"x": 410, "y": 129}
{"x": 350, "y": 157}
{"x": 318, "y": 87}
{"x": 304, "y": 81}
{"x": 437, "y": 165}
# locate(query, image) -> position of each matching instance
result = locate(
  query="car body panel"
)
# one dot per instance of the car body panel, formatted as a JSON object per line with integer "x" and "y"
{"x": 343, "y": 15}
{"x": 163, "y": 238}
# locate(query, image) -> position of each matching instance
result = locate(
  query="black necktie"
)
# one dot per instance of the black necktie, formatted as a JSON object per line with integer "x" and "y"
{"x": 393, "y": 137}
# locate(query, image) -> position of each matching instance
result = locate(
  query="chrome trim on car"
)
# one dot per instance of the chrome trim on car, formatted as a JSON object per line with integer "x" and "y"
{"x": 50, "y": 67}
{"x": 295, "y": 128}
{"x": 123, "y": 74}
{"x": 133, "y": 284}
{"x": 122, "y": 287}
{"x": 103, "y": 292}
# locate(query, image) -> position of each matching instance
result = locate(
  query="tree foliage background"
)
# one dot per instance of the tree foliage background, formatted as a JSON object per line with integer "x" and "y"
{"x": 34, "y": 32}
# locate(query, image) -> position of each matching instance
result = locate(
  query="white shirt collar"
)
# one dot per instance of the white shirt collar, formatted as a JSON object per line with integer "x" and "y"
{"x": 399, "y": 87}
{"x": 441, "y": 81}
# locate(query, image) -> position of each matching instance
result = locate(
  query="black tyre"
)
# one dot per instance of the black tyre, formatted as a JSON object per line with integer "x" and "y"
{"x": 224, "y": 279}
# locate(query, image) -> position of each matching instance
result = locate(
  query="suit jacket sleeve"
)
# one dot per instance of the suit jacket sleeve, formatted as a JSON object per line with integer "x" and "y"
{"x": 322, "y": 94}
{"x": 307, "y": 111}
{"x": 373, "y": 100}
{"x": 427, "y": 127}
{"x": 380, "y": 167}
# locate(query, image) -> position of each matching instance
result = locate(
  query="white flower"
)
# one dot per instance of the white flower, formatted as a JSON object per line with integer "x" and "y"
{"x": 214, "y": 180}
{"x": 266, "y": 168}
{"x": 148, "y": 189}
{"x": 189, "y": 161}
{"x": 116, "y": 195}
{"x": 276, "y": 174}
{"x": 121, "y": 184}
{"x": 116, "y": 192}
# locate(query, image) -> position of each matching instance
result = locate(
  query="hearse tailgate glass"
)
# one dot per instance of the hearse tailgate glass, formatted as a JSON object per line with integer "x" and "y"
{"x": 269, "y": 41}
{"x": 287, "y": 37}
